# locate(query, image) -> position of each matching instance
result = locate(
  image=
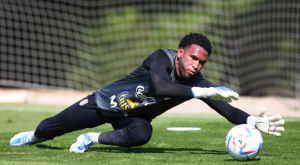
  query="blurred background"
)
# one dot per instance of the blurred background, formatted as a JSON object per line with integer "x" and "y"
{"x": 85, "y": 45}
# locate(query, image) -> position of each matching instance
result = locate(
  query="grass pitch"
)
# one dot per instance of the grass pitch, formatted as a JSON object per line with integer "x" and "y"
{"x": 206, "y": 146}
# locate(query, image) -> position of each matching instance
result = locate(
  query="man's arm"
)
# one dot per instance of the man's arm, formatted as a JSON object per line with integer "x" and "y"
{"x": 159, "y": 65}
{"x": 232, "y": 114}
{"x": 269, "y": 125}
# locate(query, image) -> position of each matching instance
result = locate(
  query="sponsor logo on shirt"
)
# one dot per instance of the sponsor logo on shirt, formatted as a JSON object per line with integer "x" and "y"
{"x": 146, "y": 100}
{"x": 124, "y": 103}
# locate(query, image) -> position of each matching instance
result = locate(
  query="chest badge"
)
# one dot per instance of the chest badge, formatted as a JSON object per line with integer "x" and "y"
{"x": 83, "y": 102}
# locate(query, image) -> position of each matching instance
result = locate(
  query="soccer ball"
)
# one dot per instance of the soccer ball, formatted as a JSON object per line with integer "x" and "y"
{"x": 243, "y": 142}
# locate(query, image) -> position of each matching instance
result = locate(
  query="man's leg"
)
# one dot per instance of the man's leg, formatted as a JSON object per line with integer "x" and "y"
{"x": 129, "y": 132}
{"x": 81, "y": 115}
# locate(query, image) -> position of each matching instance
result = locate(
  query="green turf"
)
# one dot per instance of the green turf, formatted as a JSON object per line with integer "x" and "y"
{"x": 165, "y": 147}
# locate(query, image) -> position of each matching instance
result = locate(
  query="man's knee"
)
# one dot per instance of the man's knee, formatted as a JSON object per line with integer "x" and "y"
{"x": 129, "y": 132}
{"x": 138, "y": 133}
{"x": 42, "y": 130}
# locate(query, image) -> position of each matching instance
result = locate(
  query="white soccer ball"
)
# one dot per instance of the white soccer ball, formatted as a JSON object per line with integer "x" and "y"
{"x": 243, "y": 142}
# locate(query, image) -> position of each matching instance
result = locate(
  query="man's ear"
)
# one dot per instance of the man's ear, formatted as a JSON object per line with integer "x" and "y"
{"x": 180, "y": 53}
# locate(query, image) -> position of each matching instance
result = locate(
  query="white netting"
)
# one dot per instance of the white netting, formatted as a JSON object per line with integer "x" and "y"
{"x": 86, "y": 45}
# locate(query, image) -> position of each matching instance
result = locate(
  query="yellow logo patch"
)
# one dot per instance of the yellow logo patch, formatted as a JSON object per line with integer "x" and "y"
{"x": 126, "y": 104}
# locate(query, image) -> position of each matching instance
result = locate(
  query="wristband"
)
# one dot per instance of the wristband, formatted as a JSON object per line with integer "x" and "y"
{"x": 251, "y": 120}
{"x": 197, "y": 92}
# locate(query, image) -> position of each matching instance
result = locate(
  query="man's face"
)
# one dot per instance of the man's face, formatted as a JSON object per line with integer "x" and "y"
{"x": 190, "y": 61}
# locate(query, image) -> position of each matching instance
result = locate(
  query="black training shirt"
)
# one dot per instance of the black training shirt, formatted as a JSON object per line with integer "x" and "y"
{"x": 154, "y": 87}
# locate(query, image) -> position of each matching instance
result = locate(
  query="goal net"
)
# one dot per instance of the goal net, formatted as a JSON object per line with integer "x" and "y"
{"x": 85, "y": 45}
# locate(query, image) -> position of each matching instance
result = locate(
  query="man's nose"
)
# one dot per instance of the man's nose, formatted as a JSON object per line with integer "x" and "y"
{"x": 196, "y": 65}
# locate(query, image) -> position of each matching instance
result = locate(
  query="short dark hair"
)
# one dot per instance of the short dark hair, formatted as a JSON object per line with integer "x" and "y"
{"x": 198, "y": 39}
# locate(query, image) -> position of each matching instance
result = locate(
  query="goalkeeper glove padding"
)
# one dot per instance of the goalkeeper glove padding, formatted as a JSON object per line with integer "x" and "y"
{"x": 266, "y": 124}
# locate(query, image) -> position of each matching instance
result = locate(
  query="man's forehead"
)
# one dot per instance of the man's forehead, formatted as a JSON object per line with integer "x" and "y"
{"x": 196, "y": 49}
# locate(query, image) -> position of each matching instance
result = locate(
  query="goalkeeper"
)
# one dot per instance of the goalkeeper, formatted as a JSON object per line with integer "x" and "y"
{"x": 165, "y": 79}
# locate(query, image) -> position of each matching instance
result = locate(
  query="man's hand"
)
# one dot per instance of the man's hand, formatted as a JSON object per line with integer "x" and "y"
{"x": 215, "y": 93}
{"x": 269, "y": 125}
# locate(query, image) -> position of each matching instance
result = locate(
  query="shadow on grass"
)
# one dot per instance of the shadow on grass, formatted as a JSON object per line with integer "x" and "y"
{"x": 156, "y": 150}
{"x": 143, "y": 150}
{"x": 252, "y": 160}
{"x": 48, "y": 147}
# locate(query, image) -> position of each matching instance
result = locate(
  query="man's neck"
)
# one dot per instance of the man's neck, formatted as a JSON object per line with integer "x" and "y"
{"x": 179, "y": 79}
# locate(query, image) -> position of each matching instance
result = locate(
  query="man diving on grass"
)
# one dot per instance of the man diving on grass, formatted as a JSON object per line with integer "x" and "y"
{"x": 165, "y": 79}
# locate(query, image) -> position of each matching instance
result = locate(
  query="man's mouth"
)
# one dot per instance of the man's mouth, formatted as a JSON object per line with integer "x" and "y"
{"x": 191, "y": 72}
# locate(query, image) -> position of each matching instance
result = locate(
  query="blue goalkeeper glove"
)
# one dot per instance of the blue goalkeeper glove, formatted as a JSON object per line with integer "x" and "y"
{"x": 215, "y": 93}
